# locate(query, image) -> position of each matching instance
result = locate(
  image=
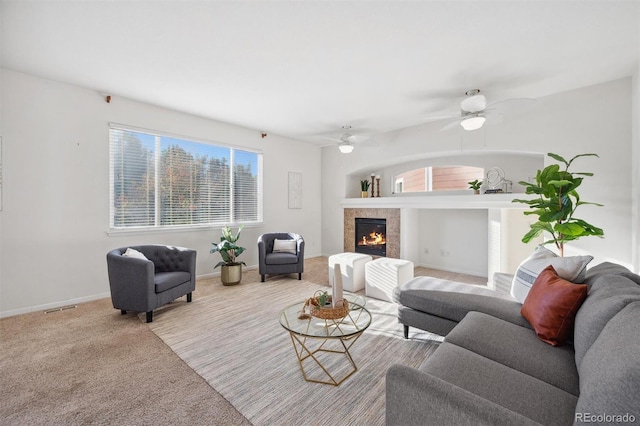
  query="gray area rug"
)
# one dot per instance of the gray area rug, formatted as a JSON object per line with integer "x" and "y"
{"x": 232, "y": 338}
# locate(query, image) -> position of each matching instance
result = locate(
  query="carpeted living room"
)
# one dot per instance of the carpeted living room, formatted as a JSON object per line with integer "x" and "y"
{"x": 436, "y": 205}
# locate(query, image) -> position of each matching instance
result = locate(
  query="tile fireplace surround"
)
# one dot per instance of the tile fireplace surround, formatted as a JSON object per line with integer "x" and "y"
{"x": 393, "y": 228}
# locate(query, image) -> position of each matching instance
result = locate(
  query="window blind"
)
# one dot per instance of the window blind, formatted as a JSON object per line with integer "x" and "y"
{"x": 164, "y": 181}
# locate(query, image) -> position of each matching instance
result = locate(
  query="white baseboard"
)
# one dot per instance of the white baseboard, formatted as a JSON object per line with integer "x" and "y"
{"x": 53, "y": 305}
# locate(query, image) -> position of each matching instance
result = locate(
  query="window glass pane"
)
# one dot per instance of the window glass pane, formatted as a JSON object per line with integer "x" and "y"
{"x": 437, "y": 178}
{"x": 160, "y": 181}
{"x": 245, "y": 186}
{"x": 133, "y": 171}
{"x": 194, "y": 182}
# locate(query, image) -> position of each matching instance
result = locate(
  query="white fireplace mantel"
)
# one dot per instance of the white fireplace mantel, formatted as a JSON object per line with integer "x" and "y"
{"x": 432, "y": 201}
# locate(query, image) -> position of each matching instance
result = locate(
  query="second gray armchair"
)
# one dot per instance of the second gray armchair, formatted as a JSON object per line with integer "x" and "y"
{"x": 280, "y": 253}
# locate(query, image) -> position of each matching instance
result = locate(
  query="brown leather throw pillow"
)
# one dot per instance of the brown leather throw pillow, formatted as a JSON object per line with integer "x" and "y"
{"x": 551, "y": 306}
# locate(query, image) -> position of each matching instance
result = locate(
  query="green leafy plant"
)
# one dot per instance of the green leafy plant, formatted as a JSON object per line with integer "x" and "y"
{"x": 228, "y": 248}
{"x": 556, "y": 204}
{"x": 364, "y": 185}
{"x": 475, "y": 184}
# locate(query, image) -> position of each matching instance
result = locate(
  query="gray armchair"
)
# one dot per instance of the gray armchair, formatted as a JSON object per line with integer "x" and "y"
{"x": 141, "y": 285}
{"x": 280, "y": 262}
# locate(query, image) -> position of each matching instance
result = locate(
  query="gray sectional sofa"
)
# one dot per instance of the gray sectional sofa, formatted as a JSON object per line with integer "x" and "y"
{"x": 492, "y": 369}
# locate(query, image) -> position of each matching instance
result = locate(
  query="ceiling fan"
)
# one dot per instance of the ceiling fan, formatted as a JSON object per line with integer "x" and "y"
{"x": 347, "y": 141}
{"x": 474, "y": 111}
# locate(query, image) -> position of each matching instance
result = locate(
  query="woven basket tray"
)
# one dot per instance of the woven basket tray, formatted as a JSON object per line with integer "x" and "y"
{"x": 330, "y": 313}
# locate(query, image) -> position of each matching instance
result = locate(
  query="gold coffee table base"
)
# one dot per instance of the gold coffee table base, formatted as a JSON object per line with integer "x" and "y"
{"x": 322, "y": 345}
{"x": 303, "y": 352}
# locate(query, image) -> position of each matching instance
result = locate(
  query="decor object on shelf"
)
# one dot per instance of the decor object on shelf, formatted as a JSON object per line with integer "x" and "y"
{"x": 150, "y": 276}
{"x": 373, "y": 184}
{"x": 475, "y": 185}
{"x": 364, "y": 187}
{"x": 229, "y": 251}
{"x": 556, "y": 205}
{"x": 378, "y": 186}
{"x": 280, "y": 253}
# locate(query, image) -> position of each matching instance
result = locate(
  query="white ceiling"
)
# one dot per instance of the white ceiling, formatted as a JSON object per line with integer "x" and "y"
{"x": 303, "y": 69}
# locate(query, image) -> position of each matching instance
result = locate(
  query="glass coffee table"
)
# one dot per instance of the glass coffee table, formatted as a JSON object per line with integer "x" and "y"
{"x": 322, "y": 345}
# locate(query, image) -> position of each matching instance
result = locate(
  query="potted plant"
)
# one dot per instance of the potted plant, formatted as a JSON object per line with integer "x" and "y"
{"x": 475, "y": 185}
{"x": 364, "y": 187}
{"x": 556, "y": 204}
{"x": 229, "y": 250}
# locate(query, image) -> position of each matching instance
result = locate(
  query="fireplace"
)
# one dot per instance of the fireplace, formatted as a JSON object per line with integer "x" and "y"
{"x": 371, "y": 236}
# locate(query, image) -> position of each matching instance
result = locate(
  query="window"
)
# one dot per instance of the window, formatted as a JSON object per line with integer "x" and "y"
{"x": 162, "y": 181}
{"x": 437, "y": 178}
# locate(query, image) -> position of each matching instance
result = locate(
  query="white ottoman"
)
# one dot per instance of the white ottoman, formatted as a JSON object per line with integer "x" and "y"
{"x": 383, "y": 275}
{"x": 352, "y": 268}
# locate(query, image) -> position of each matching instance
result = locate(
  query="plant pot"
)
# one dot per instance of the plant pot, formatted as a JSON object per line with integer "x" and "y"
{"x": 364, "y": 194}
{"x": 231, "y": 274}
{"x": 476, "y": 191}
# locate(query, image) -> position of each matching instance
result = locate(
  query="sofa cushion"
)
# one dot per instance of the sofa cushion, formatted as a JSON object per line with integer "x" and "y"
{"x": 571, "y": 268}
{"x": 551, "y": 306}
{"x": 452, "y": 300}
{"x": 610, "y": 370}
{"x": 502, "y": 385}
{"x": 611, "y": 288}
{"x": 517, "y": 347}
{"x": 166, "y": 280}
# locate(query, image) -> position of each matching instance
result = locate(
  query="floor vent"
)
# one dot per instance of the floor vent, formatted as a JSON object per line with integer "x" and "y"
{"x": 60, "y": 309}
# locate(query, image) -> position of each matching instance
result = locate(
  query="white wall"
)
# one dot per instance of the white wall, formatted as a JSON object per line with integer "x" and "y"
{"x": 635, "y": 188}
{"x": 592, "y": 119}
{"x": 56, "y": 190}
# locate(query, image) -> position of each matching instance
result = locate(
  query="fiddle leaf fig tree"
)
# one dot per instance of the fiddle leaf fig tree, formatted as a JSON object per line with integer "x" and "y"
{"x": 556, "y": 204}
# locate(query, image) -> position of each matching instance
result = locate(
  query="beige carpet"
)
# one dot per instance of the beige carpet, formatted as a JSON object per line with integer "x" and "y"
{"x": 93, "y": 366}
{"x": 232, "y": 338}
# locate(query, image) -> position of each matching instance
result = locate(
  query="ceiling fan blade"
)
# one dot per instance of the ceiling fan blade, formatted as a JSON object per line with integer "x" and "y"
{"x": 514, "y": 105}
{"x": 494, "y": 117}
{"x": 441, "y": 117}
{"x": 450, "y": 126}
{"x": 333, "y": 139}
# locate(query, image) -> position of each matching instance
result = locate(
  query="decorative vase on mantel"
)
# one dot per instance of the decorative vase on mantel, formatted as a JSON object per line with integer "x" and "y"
{"x": 364, "y": 194}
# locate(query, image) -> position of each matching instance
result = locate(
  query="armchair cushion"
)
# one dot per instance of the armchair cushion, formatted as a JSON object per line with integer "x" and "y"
{"x": 280, "y": 258}
{"x": 134, "y": 253}
{"x": 285, "y": 246}
{"x": 165, "y": 280}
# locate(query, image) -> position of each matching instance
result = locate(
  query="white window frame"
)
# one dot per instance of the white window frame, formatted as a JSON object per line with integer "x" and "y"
{"x": 157, "y": 216}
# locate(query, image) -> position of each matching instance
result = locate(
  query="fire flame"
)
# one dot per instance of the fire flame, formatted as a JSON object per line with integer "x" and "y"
{"x": 375, "y": 239}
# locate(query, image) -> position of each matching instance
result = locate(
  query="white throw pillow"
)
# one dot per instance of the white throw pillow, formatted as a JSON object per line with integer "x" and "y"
{"x": 134, "y": 253}
{"x": 285, "y": 246}
{"x": 572, "y": 268}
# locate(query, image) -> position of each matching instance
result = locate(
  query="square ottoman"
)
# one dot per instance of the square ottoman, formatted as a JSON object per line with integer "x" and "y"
{"x": 383, "y": 275}
{"x": 352, "y": 268}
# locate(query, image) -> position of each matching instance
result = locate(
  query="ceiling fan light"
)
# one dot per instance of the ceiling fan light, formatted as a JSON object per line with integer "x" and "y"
{"x": 345, "y": 147}
{"x": 472, "y": 123}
